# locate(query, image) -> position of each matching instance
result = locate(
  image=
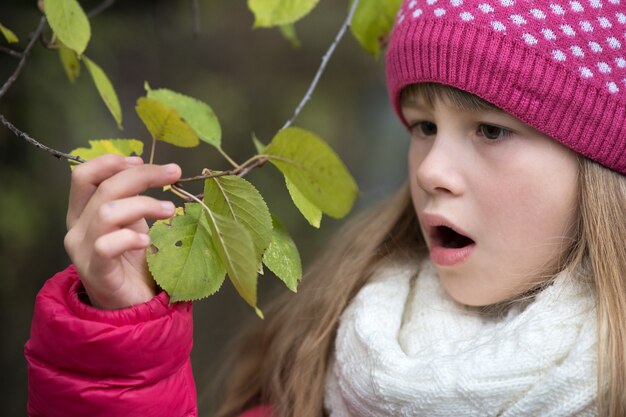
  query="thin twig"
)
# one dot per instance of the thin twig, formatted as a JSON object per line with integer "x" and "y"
{"x": 32, "y": 141}
{"x": 195, "y": 10}
{"x": 100, "y": 8}
{"x": 20, "y": 66}
{"x": 10, "y": 51}
{"x": 255, "y": 162}
{"x": 322, "y": 67}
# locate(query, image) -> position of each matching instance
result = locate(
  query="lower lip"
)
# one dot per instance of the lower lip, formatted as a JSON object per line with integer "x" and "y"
{"x": 450, "y": 256}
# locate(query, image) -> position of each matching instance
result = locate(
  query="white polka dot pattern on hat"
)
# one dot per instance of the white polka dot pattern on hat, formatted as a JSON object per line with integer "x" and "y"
{"x": 586, "y": 36}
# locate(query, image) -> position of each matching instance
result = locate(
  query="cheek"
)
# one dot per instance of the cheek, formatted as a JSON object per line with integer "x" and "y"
{"x": 535, "y": 213}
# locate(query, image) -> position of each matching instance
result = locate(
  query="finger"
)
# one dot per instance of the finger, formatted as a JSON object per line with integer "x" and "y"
{"x": 123, "y": 213}
{"x": 134, "y": 181}
{"x": 115, "y": 244}
{"x": 87, "y": 177}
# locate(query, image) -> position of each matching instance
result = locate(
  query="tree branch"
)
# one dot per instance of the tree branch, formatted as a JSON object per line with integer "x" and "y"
{"x": 10, "y": 51}
{"x": 195, "y": 11}
{"x": 322, "y": 67}
{"x": 100, "y": 8}
{"x": 241, "y": 171}
{"x": 32, "y": 141}
{"x": 20, "y": 65}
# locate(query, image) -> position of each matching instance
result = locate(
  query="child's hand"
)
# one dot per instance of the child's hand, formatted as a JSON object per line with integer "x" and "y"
{"x": 107, "y": 230}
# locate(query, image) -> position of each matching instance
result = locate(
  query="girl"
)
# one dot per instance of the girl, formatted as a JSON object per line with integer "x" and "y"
{"x": 492, "y": 284}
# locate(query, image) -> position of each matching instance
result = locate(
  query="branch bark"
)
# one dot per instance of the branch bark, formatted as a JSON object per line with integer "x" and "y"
{"x": 32, "y": 141}
{"x": 10, "y": 51}
{"x": 322, "y": 67}
{"x": 240, "y": 171}
{"x": 20, "y": 65}
{"x": 100, "y": 8}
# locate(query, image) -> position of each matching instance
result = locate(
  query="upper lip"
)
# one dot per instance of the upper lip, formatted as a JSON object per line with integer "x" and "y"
{"x": 430, "y": 221}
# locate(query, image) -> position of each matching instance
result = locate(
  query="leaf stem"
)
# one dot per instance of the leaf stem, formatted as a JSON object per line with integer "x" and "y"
{"x": 228, "y": 158}
{"x": 322, "y": 67}
{"x": 182, "y": 191}
{"x": 152, "y": 150}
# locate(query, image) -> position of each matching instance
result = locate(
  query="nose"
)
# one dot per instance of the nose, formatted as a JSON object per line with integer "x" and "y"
{"x": 437, "y": 164}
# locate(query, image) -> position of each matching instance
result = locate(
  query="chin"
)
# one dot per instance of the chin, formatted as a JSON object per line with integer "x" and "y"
{"x": 468, "y": 291}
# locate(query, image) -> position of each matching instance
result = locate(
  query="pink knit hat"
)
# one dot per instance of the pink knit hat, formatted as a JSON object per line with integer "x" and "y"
{"x": 559, "y": 66}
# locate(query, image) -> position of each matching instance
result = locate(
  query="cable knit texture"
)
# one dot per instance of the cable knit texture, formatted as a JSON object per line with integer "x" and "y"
{"x": 557, "y": 65}
{"x": 404, "y": 348}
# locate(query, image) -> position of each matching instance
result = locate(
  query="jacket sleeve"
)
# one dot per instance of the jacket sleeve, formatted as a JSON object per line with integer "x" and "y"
{"x": 83, "y": 361}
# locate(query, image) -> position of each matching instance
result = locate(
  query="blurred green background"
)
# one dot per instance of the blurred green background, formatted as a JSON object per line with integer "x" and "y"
{"x": 253, "y": 79}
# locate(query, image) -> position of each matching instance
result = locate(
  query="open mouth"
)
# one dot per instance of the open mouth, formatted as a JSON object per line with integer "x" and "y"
{"x": 448, "y": 238}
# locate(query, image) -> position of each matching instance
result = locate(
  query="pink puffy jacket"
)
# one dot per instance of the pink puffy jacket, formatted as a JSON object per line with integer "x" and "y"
{"x": 83, "y": 361}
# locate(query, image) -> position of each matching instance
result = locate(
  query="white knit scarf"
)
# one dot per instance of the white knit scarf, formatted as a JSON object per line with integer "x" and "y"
{"x": 405, "y": 348}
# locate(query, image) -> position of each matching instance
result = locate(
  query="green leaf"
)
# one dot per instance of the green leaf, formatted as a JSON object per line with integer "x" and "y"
{"x": 270, "y": 13}
{"x": 165, "y": 124}
{"x": 310, "y": 211}
{"x": 8, "y": 34}
{"x": 289, "y": 33}
{"x": 70, "y": 63}
{"x": 125, "y": 147}
{"x": 314, "y": 168}
{"x": 106, "y": 90}
{"x": 234, "y": 246}
{"x": 258, "y": 145}
{"x": 234, "y": 197}
{"x": 282, "y": 257}
{"x": 182, "y": 258}
{"x": 69, "y": 22}
{"x": 372, "y": 21}
{"x": 196, "y": 113}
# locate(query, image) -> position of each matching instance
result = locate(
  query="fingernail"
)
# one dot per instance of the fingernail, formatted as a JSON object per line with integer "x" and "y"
{"x": 171, "y": 168}
{"x": 168, "y": 207}
{"x": 144, "y": 238}
{"x": 134, "y": 160}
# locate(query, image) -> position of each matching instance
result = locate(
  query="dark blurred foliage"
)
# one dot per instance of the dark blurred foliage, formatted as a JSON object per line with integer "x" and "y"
{"x": 253, "y": 79}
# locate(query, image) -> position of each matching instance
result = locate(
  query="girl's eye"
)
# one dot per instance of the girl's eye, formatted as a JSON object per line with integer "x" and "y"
{"x": 493, "y": 132}
{"x": 425, "y": 128}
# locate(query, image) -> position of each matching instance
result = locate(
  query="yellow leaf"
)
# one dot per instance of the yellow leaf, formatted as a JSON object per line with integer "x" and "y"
{"x": 125, "y": 147}
{"x": 165, "y": 124}
{"x": 70, "y": 63}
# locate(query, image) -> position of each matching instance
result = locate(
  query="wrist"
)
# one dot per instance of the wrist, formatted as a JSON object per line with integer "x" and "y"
{"x": 109, "y": 301}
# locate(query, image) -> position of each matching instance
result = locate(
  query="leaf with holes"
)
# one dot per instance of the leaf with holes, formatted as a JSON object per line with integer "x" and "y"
{"x": 372, "y": 22}
{"x": 165, "y": 124}
{"x": 182, "y": 258}
{"x": 310, "y": 211}
{"x": 236, "y": 198}
{"x": 106, "y": 90}
{"x": 8, "y": 34}
{"x": 270, "y": 13}
{"x": 125, "y": 147}
{"x": 69, "y": 23}
{"x": 314, "y": 168}
{"x": 70, "y": 63}
{"x": 282, "y": 257}
{"x": 234, "y": 246}
{"x": 197, "y": 114}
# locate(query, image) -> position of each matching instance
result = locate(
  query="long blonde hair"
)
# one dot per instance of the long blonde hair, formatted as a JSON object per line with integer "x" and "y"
{"x": 282, "y": 361}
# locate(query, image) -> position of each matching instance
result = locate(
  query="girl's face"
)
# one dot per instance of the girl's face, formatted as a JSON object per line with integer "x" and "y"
{"x": 496, "y": 199}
